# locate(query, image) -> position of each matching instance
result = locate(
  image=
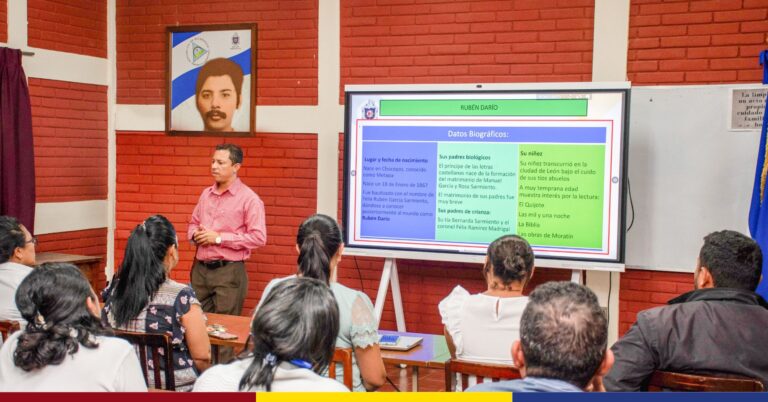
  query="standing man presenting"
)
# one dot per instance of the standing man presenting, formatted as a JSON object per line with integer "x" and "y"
{"x": 227, "y": 223}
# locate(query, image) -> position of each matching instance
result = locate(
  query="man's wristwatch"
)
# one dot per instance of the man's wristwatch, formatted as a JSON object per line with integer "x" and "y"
{"x": 218, "y": 239}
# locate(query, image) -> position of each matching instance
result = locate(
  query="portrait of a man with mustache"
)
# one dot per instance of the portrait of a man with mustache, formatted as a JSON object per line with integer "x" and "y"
{"x": 218, "y": 93}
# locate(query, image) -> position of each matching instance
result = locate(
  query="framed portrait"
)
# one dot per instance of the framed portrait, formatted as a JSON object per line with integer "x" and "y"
{"x": 211, "y": 80}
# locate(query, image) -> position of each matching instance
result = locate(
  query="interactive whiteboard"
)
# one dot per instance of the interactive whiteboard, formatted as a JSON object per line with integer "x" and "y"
{"x": 449, "y": 169}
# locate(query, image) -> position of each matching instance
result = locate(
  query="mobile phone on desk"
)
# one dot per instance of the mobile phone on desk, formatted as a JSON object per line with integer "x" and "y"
{"x": 222, "y": 335}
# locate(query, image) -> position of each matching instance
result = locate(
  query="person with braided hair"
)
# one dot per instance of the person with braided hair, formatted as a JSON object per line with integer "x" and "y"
{"x": 64, "y": 347}
{"x": 294, "y": 336}
{"x": 320, "y": 245}
{"x": 482, "y": 327}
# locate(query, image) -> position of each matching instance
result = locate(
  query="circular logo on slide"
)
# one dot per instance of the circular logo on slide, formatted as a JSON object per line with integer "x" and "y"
{"x": 369, "y": 110}
{"x": 614, "y": 179}
{"x": 198, "y": 51}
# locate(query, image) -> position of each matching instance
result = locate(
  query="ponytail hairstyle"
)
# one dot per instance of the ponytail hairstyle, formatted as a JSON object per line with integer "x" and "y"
{"x": 298, "y": 320}
{"x": 52, "y": 298}
{"x": 142, "y": 271}
{"x": 319, "y": 239}
{"x": 510, "y": 258}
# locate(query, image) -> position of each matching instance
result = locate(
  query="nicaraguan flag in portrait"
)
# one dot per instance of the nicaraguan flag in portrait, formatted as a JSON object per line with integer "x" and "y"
{"x": 758, "y": 211}
{"x": 189, "y": 52}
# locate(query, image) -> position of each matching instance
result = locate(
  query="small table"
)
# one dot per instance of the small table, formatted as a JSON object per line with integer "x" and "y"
{"x": 88, "y": 265}
{"x": 431, "y": 353}
{"x": 234, "y": 324}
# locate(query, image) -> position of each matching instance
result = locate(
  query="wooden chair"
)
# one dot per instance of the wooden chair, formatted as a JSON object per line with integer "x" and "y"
{"x": 7, "y": 328}
{"x": 157, "y": 347}
{"x": 669, "y": 381}
{"x": 473, "y": 373}
{"x": 343, "y": 356}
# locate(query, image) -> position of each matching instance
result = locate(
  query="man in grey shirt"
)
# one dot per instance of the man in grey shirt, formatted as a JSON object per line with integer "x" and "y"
{"x": 17, "y": 255}
{"x": 563, "y": 343}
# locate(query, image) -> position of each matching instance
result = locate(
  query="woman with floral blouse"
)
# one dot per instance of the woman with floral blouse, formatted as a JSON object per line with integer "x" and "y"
{"x": 142, "y": 298}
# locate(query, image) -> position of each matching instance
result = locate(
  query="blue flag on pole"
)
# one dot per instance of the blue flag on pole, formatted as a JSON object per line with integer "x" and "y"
{"x": 758, "y": 211}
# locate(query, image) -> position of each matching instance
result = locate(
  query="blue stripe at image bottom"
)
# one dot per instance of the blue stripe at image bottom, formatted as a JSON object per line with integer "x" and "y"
{"x": 640, "y": 397}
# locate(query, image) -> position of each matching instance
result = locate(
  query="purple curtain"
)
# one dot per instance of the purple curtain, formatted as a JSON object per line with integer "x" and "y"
{"x": 17, "y": 157}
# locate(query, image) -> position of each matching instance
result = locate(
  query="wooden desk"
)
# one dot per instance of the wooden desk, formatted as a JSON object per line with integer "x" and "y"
{"x": 89, "y": 266}
{"x": 431, "y": 353}
{"x": 234, "y": 324}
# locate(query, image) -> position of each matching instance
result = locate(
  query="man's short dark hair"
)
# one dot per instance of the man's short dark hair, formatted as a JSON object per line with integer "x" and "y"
{"x": 217, "y": 67}
{"x": 563, "y": 333}
{"x": 11, "y": 237}
{"x": 733, "y": 259}
{"x": 235, "y": 153}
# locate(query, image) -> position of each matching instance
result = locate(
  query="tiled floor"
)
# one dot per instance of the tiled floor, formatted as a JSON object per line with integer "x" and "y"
{"x": 430, "y": 380}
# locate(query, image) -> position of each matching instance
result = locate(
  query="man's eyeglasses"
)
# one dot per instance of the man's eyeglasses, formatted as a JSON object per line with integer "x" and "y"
{"x": 33, "y": 240}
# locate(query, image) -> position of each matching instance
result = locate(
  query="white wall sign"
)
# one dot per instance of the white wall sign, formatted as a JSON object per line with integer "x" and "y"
{"x": 747, "y": 107}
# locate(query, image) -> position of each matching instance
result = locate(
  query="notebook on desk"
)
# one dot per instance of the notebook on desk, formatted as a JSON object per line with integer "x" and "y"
{"x": 397, "y": 342}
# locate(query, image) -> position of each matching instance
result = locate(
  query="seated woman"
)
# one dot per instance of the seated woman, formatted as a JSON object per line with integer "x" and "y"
{"x": 482, "y": 327}
{"x": 142, "y": 298}
{"x": 294, "y": 337}
{"x": 319, "y": 243}
{"x": 64, "y": 347}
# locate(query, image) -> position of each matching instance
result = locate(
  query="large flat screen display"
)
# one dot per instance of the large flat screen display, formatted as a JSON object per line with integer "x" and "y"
{"x": 448, "y": 170}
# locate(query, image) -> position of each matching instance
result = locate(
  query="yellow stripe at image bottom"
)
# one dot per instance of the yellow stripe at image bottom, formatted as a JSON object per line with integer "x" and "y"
{"x": 384, "y": 397}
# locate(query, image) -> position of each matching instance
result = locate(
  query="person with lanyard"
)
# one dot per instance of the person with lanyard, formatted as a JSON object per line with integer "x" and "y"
{"x": 227, "y": 223}
{"x": 294, "y": 338}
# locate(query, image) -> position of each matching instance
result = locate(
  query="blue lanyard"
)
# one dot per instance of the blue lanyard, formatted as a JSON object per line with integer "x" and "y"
{"x": 301, "y": 363}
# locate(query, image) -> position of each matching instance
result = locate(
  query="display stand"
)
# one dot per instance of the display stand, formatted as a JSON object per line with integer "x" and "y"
{"x": 577, "y": 276}
{"x": 389, "y": 277}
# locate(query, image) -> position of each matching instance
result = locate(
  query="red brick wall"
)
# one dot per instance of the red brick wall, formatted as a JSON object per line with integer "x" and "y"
{"x": 287, "y": 45}
{"x": 69, "y": 120}
{"x": 158, "y": 174}
{"x": 3, "y": 21}
{"x": 696, "y": 42}
{"x": 641, "y": 290}
{"x": 427, "y": 41}
{"x": 91, "y": 242}
{"x": 69, "y": 123}
{"x": 72, "y": 26}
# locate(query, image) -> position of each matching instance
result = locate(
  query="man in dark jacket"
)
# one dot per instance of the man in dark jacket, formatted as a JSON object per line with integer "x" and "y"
{"x": 719, "y": 328}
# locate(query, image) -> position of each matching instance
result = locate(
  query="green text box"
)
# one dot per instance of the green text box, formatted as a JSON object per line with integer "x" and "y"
{"x": 560, "y": 198}
{"x": 484, "y": 107}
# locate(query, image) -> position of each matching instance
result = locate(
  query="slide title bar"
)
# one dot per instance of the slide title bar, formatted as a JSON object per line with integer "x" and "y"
{"x": 560, "y": 135}
{"x": 484, "y": 107}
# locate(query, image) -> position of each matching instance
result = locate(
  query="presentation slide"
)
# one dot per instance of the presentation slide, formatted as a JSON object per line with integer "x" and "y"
{"x": 449, "y": 172}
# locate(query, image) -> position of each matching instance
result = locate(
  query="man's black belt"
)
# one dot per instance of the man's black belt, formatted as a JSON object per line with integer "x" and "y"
{"x": 213, "y": 264}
